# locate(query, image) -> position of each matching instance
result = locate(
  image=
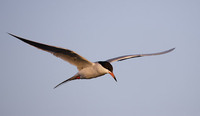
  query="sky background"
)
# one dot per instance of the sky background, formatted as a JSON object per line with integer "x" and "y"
{"x": 165, "y": 85}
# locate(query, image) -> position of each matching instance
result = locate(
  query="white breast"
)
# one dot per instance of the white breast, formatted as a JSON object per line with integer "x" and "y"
{"x": 93, "y": 71}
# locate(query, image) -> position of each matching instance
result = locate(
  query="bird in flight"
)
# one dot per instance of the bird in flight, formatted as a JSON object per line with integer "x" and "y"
{"x": 86, "y": 69}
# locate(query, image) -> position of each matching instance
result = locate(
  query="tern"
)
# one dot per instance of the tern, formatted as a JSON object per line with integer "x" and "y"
{"x": 86, "y": 69}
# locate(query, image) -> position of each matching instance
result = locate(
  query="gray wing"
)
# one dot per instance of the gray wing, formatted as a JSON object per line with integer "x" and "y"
{"x": 137, "y": 55}
{"x": 65, "y": 54}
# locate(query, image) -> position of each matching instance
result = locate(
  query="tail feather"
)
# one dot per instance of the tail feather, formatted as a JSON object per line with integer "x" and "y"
{"x": 72, "y": 78}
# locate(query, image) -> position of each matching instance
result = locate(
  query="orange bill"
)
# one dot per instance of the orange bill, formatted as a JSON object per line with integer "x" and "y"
{"x": 111, "y": 73}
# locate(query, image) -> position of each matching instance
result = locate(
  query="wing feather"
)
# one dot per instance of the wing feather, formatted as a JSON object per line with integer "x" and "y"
{"x": 137, "y": 55}
{"x": 65, "y": 54}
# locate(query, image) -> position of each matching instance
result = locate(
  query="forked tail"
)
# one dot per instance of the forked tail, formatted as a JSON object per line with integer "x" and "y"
{"x": 72, "y": 78}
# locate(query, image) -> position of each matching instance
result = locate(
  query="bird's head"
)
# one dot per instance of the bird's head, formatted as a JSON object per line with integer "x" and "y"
{"x": 108, "y": 66}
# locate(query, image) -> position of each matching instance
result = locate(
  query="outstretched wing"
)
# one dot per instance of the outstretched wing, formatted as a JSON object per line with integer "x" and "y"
{"x": 65, "y": 54}
{"x": 137, "y": 55}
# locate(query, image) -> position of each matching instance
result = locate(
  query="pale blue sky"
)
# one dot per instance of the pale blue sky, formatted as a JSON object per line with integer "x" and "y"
{"x": 165, "y": 85}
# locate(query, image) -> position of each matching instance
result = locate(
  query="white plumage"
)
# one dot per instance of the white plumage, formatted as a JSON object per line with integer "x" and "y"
{"x": 86, "y": 69}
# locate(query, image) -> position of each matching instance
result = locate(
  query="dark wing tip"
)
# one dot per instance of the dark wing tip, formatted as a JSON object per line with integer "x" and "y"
{"x": 168, "y": 51}
{"x": 171, "y": 49}
{"x": 11, "y": 34}
{"x": 22, "y": 39}
{"x": 44, "y": 47}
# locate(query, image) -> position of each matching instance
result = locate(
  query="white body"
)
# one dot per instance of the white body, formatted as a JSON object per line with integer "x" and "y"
{"x": 92, "y": 71}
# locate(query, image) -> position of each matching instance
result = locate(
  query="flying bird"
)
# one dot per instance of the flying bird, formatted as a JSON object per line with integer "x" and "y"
{"x": 86, "y": 68}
